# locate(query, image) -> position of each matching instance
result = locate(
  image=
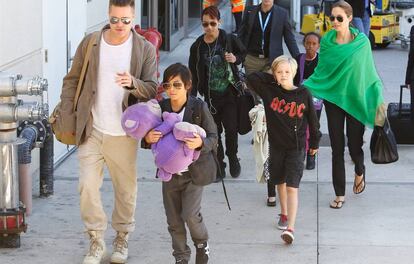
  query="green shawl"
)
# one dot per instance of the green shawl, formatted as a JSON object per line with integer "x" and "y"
{"x": 346, "y": 76}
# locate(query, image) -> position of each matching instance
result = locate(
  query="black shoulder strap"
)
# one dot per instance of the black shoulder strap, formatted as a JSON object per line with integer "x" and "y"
{"x": 229, "y": 47}
{"x": 198, "y": 105}
{"x": 165, "y": 105}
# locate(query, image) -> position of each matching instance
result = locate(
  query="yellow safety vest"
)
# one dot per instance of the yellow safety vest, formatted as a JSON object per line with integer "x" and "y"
{"x": 237, "y": 5}
{"x": 207, "y": 3}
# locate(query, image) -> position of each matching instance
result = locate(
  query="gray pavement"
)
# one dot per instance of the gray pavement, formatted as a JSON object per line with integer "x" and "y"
{"x": 373, "y": 227}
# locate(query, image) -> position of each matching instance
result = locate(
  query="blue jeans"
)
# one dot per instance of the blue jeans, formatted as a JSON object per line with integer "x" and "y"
{"x": 363, "y": 24}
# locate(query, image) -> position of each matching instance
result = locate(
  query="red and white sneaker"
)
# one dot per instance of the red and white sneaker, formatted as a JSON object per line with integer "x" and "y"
{"x": 288, "y": 236}
{"x": 282, "y": 224}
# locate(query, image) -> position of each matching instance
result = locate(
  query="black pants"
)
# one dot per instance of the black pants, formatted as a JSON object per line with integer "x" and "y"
{"x": 412, "y": 101}
{"x": 238, "y": 16}
{"x": 271, "y": 191}
{"x": 224, "y": 111}
{"x": 354, "y": 132}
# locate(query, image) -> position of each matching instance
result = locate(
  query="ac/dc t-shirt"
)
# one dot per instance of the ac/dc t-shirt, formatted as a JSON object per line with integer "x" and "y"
{"x": 288, "y": 113}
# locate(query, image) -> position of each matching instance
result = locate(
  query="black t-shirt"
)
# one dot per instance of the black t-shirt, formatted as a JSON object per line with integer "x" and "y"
{"x": 216, "y": 68}
{"x": 255, "y": 43}
{"x": 309, "y": 68}
{"x": 288, "y": 113}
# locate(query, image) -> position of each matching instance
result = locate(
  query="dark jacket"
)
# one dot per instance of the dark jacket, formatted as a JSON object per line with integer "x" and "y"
{"x": 281, "y": 29}
{"x": 409, "y": 75}
{"x": 203, "y": 118}
{"x": 197, "y": 67}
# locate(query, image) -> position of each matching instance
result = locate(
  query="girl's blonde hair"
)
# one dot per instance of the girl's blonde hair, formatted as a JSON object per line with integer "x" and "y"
{"x": 292, "y": 62}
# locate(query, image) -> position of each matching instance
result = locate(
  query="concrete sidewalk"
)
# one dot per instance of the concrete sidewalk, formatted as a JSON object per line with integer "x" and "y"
{"x": 373, "y": 227}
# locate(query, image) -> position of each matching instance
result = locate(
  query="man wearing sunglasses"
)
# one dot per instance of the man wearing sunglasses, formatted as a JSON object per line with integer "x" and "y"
{"x": 121, "y": 70}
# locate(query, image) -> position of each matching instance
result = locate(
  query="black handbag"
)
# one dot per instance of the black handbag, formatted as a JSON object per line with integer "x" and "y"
{"x": 383, "y": 145}
{"x": 204, "y": 169}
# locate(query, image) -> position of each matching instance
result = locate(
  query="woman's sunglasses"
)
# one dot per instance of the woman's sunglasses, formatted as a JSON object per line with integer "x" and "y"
{"x": 176, "y": 85}
{"x": 340, "y": 19}
{"x": 124, "y": 20}
{"x": 212, "y": 24}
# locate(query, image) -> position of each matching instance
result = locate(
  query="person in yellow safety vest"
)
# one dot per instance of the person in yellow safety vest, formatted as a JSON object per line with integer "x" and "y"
{"x": 237, "y": 8}
{"x": 207, "y": 3}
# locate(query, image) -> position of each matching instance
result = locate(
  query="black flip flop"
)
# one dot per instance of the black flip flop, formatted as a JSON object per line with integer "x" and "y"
{"x": 356, "y": 187}
{"x": 338, "y": 204}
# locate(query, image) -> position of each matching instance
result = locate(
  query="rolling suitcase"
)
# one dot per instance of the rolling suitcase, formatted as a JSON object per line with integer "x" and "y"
{"x": 402, "y": 124}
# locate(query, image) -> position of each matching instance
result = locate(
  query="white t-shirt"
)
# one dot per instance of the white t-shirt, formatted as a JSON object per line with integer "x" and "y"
{"x": 181, "y": 115}
{"x": 107, "y": 109}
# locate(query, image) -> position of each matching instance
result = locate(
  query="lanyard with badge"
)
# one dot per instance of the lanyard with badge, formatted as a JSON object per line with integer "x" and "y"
{"x": 263, "y": 27}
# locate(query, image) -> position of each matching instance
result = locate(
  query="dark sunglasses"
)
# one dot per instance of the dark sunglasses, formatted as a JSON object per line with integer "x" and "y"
{"x": 340, "y": 19}
{"x": 176, "y": 85}
{"x": 124, "y": 20}
{"x": 212, "y": 24}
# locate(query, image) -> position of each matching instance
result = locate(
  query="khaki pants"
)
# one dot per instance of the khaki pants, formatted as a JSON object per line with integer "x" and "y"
{"x": 253, "y": 64}
{"x": 119, "y": 153}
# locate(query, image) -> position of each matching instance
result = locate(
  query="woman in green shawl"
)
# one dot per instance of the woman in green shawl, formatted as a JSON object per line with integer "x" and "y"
{"x": 347, "y": 81}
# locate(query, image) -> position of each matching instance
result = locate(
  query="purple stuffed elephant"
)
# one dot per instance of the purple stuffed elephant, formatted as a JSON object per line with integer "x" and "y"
{"x": 170, "y": 152}
{"x": 138, "y": 119}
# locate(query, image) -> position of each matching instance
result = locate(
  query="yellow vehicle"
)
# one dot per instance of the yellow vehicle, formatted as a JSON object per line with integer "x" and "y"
{"x": 385, "y": 27}
{"x": 319, "y": 22}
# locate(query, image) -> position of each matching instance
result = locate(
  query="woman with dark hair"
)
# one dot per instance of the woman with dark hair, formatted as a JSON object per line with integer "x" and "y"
{"x": 214, "y": 71}
{"x": 182, "y": 198}
{"x": 347, "y": 81}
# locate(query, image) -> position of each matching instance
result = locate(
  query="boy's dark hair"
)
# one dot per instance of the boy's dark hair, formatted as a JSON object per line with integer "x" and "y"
{"x": 178, "y": 69}
{"x": 211, "y": 11}
{"x": 122, "y": 3}
{"x": 312, "y": 34}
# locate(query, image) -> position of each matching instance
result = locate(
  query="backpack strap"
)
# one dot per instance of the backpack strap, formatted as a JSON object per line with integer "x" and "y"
{"x": 198, "y": 105}
{"x": 229, "y": 47}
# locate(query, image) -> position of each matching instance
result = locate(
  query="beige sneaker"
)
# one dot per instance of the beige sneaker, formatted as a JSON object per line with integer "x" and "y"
{"x": 97, "y": 248}
{"x": 120, "y": 248}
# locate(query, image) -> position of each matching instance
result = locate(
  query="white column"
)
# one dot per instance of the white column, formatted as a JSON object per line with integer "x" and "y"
{"x": 295, "y": 13}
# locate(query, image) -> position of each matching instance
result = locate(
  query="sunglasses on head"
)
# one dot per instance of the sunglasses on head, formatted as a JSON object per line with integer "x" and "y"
{"x": 212, "y": 24}
{"x": 124, "y": 20}
{"x": 176, "y": 85}
{"x": 338, "y": 18}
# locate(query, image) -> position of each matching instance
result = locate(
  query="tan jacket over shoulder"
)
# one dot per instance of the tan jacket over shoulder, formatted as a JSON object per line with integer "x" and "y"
{"x": 144, "y": 81}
